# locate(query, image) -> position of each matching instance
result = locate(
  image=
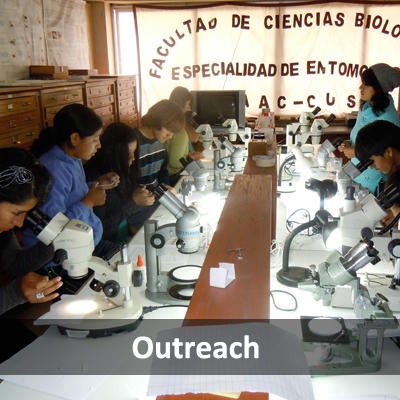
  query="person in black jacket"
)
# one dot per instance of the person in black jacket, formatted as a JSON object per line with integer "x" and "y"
{"x": 24, "y": 182}
{"x": 119, "y": 153}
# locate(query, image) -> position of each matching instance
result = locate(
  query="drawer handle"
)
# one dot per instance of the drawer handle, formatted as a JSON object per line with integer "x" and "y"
{"x": 16, "y": 141}
{"x": 10, "y": 106}
{"x": 26, "y": 103}
{"x": 12, "y": 123}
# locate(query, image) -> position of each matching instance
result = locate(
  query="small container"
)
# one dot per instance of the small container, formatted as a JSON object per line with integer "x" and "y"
{"x": 139, "y": 272}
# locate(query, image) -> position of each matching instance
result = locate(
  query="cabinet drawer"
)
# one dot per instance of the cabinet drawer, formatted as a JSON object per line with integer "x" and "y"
{"x": 18, "y": 105}
{"x": 62, "y": 97}
{"x": 103, "y": 111}
{"x": 100, "y": 101}
{"x": 126, "y": 93}
{"x": 19, "y": 121}
{"x": 125, "y": 84}
{"x": 19, "y": 138}
{"x": 127, "y": 103}
{"x": 126, "y": 111}
{"x": 99, "y": 90}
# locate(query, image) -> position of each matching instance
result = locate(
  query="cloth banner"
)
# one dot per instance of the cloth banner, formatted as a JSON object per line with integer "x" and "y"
{"x": 290, "y": 59}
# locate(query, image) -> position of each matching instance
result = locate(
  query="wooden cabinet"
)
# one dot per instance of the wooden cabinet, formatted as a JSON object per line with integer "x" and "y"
{"x": 26, "y": 110}
{"x": 19, "y": 117}
{"x": 127, "y": 100}
{"x": 100, "y": 96}
{"x": 54, "y": 98}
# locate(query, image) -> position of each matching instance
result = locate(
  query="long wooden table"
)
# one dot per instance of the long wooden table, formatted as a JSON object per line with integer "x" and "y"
{"x": 245, "y": 228}
{"x": 245, "y": 224}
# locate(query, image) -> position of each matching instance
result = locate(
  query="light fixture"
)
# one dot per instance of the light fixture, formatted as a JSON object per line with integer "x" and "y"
{"x": 293, "y": 275}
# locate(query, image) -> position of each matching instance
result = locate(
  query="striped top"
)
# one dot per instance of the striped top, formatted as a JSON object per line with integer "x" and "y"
{"x": 153, "y": 162}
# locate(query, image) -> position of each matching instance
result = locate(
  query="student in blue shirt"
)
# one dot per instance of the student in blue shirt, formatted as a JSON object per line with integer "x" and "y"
{"x": 63, "y": 148}
{"x": 376, "y": 104}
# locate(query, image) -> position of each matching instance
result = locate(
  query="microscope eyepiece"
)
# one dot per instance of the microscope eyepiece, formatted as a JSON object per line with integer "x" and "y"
{"x": 37, "y": 220}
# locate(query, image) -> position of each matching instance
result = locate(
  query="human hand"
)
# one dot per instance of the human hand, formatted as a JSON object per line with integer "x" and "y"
{"x": 171, "y": 189}
{"x": 194, "y": 136}
{"x": 196, "y": 155}
{"x": 96, "y": 196}
{"x": 38, "y": 288}
{"x": 347, "y": 149}
{"x": 108, "y": 181}
{"x": 142, "y": 196}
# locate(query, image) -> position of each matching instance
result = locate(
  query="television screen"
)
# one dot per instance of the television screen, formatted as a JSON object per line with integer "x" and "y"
{"x": 214, "y": 107}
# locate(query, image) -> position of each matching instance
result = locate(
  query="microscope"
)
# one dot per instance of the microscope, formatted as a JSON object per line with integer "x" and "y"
{"x": 345, "y": 350}
{"x": 161, "y": 287}
{"x": 73, "y": 243}
{"x": 207, "y": 135}
{"x": 197, "y": 171}
{"x": 317, "y": 127}
{"x": 347, "y": 174}
{"x": 364, "y": 215}
{"x": 236, "y": 157}
{"x": 300, "y": 131}
{"x": 360, "y": 220}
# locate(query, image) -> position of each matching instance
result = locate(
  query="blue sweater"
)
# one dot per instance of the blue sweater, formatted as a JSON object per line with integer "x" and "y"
{"x": 371, "y": 177}
{"x": 68, "y": 188}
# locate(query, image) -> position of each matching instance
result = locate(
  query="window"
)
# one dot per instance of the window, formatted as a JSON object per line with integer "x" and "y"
{"x": 125, "y": 43}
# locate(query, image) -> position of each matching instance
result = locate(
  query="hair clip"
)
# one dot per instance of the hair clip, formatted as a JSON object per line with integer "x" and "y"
{"x": 15, "y": 174}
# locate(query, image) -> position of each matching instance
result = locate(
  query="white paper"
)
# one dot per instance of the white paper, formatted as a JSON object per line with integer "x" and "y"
{"x": 221, "y": 277}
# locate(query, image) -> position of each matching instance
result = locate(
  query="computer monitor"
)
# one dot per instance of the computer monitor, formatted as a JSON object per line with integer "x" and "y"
{"x": 214, "y": 107}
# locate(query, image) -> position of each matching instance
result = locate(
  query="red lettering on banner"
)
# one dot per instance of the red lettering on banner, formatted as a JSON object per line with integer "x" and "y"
{"x": 376, "y": 22}
{"x": 241, "y": 21}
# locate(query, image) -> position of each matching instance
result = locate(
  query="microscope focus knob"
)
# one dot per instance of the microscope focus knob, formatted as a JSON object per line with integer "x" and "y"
{"x": 157, "y": 241}
{"x": 180, "y": 244}
{"x": 60, "y": 255}
{"x": 394, "y": 248}
{"x": 111, "y": 288}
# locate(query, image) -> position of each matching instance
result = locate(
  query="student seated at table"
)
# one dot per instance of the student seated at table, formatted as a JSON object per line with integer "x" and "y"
{"x": 24, "y": 183}
{"x": 376, "y": 104}
{"x": 118, "y": 153}
{"x": 160, "y": 123}
{"x": 181, "y": 144}
{"x": 379, "y": 141}
{"x": 63, "y": 148}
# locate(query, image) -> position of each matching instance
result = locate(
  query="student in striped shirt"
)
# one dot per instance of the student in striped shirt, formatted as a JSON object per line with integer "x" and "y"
{"x": 159, "y": 124}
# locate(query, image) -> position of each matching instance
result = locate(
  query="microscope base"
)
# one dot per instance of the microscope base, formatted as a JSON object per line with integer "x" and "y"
{"x": 293, "y": 276}
{"x": 165, "y": 298}
{"x": 106, "y": 323}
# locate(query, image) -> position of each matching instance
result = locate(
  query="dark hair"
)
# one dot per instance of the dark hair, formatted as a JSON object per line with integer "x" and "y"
{"x": 373, "y": 139}
{"x": 380, "y": 100}
{"x": 180, "y": 95}
{"x": 114, "y": 156}
{"x": 164, "y": 114}
{"x": 22, "y": 177}
{"x": 70, "y": 119}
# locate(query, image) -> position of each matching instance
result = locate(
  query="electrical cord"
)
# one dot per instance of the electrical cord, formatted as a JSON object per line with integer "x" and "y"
{"x": 290, "y": 223}
{"x": 149, "y": 309}
{"x": 273, "y": 292}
